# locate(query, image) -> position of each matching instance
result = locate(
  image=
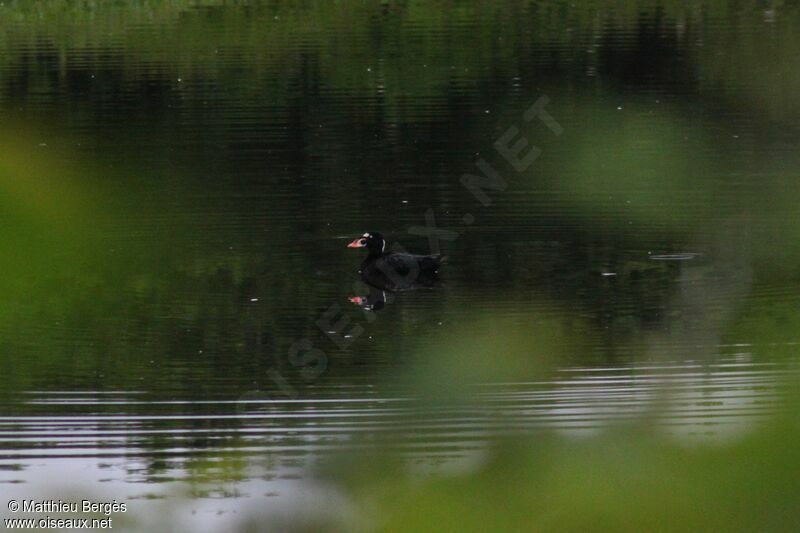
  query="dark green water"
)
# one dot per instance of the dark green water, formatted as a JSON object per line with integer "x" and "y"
{"x": 178, "y": 181}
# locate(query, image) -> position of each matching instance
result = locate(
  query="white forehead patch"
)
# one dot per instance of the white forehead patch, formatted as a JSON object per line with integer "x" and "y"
{"x": 366, "y": 235}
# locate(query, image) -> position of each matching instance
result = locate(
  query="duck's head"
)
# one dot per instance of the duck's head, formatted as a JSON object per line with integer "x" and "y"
{"x": 372, "y": 241}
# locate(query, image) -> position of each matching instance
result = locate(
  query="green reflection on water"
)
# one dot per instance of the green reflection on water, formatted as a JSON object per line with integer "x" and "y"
{"x": 136, "y": 259}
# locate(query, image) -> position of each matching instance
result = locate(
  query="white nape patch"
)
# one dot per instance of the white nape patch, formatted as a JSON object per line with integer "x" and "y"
{"x": 383, "y": 248}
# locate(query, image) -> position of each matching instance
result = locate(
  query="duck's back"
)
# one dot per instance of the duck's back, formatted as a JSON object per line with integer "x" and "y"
{"x": 407, "y": 263}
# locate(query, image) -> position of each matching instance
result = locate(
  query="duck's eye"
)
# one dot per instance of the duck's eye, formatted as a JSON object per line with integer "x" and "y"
{"x": 363, "y": 242}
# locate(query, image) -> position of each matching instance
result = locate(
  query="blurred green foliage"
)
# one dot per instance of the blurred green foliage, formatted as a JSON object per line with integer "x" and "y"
{"x": 628, "y": 480}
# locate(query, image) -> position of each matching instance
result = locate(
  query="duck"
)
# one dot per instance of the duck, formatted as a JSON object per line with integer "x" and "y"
{"x": 395, "y": 271}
